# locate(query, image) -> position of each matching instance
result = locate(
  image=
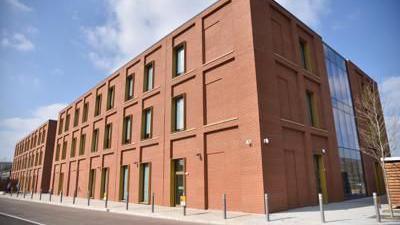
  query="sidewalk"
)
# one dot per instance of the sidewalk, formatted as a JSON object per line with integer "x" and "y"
{"x": 359, "y": 211}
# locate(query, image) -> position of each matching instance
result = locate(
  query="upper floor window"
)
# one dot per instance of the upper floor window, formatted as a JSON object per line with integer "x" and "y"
{"x": 64, "y": 150}
{"x": 73, "y": 147}
{"x": 147, "y": 123}
{"x": 129, "y": 87}
{"x": 85, "y": 112}
{"x": 107, "y": 136}
{"x": 97, "y": 109}
{"x": 95, "y": 140}
{"x": 82, "y": 144}
{"x": 178, "y": 113}
{"x": 110, "y": 97}
{"x": 58, "y": 152}
{"x": 76, "y": 117}
{"x": 67, "y": 121}
{"x": 180, "y": 59}
{"x": 305, "y": 54}
{"x": 149, "y": 77}
{"x": 43, "y": 136}
{"x": 127, "y": 133}
{"x": 312, "y": 109}
{"x": 60, "y": 125}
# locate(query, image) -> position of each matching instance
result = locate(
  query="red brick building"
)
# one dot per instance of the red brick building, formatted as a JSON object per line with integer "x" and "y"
{"x": 33, "y": 158}
{"x": 237, "y": 100}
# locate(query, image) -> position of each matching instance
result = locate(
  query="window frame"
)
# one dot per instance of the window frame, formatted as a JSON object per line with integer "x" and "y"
{"x": 179, "y": 46}
{"x": 124, "y": 132}
{"x": 97, "y": 107}
{"x": 107, "y": 133}
{"x": 95, "y": 140}
{"x": 128, "y": 79}
{"x": 76, "y": 116}
{"x": 110, "y": 97}
{"x": 144, "y": 122}
{"x": 146, "y": 77}
{"x": 174, "y": 113}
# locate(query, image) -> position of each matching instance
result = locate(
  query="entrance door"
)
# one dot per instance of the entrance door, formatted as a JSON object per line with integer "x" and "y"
{"x": 104, "y": 182}
{"x": 92, "y": 182}
{"x": 319, "y": 171}
{"x": 145, "y": 183}
{"x": 60, "y": 183}
{"x": 124, "y": 182}
{"x": 178, "y": 175}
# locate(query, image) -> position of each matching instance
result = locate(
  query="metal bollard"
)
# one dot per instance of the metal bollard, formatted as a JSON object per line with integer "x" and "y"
{"x": 321, "y": 207}
{"x": 152, "y": 202}
{"x": 32, "y": 194}
{"x": 266, "y": 207}
{"x": 61, "y": 197}
{"x": 378, "y": 215}
{"x": 24, "y": 193}
{"x": 224, "y": 202}
{"x": 11, "y": 192}
{"x": 40, "y": 195}
{"x": 127, "y": 200}
{"x": 73, "y": 199}
{"x": 50, "y": 195}
{"x": 106, "y": 202}
{"x": 17, "y": 193}
{"x": 88, "y": 198}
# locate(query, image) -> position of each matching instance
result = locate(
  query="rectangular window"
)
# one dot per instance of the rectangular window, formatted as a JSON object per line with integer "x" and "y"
{"x": 92, "y": 182}
{"x": 67, "y": 120}
{"x": 95, "y": 140}
{"x": 43, "y": 136}
{"x": 82, "y": 144}
{"x": 110, "y": 97}
{"x": 76, "y": 117}
{"x": 60, "y": 125}
{"x": 149, "y": 77}
{"x": 304, "y": 53}
{"x": 104, "y": 183}
{"x": 124, "y": 182}
{"x": 147, "y": 123}
{"x": 178, "y": 176}
{"x": 129, "y": 87}
{"x": 73, "y": 147}
{"x": 40, "y": 158}
{"x": 64, "y": 150}
{"x": 311, "y": 109}
{"x": 58, "y": 152}
{"x": 178, "y": 112}
{"x": 127, "y": 130}
{"x": 97, "y": 109}
{"x": 107, "y": 136}
{"x": 85, "y": 112}
{"x": 144, "y": 183}
{"x": 180, "y": 59}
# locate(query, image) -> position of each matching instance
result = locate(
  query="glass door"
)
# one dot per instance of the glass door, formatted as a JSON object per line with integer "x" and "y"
{"x": 145, "y": 183}
{"x": 104, "y": 183}
{"x": 124, "y": 182}
{"x": 92, "y": 182}
{"x": 179, "y": 179}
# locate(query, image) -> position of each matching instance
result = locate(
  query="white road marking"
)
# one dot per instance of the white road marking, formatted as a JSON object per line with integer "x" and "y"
{"x": 20, "y": 218}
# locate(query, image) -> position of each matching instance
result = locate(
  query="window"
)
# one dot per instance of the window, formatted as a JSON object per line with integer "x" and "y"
{"x": 73, "y": 147}
{"x": 110, "y": 97}
{"x": 178, "y": 176}
{"x": 104, "y": 183}
{"x": 67, "y": 120}
{"x": 144, "y": 183}
{"x": 304, "y": 53}
{"x": 85, "y": 112}
{"x": 60, "y": 126}
{"x": 127, "y": 130}
{"x": 107, "y": 136}
{"x": 129, "y": 87}
{"x": 179, "y": 59}
{"x": 76, "y": 117}
{"x": 311, "y": 109}
{"x": 58, "y": 152}
{"x": 147, "y": 123}
{"x": 149, "y": 77}
{"x": 43, "y": 136}
{"x": 82, "y": 144}
{"x": 95, "y": 140}
{"x": 98, "y": 105}
{"x": 92, "y": 182}
{"x": 124, "y": 183}
{"x": 178, "y": 113}
{"x": 64, "y": 150}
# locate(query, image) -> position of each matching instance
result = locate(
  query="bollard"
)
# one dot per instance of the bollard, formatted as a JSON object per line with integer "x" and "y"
{"x": 127, "y": 200}
{"x": 88, "y": 198}
{"x": 40, "y": 195}
{"x": 11, "y": 192}
{"x": 321, "y": 207}
{"x": 266, "y": 207}
{"x": 32, "y": 194}
{"x": 61, "y": 197}
{"x": 224, "y": 202}
{"x": 50, "y": 195}
{"x": 378, "y": 215}
{"x": 106, "y": 202}
{"x": 24, "y": 193}
{"x": 73, "y": 199}
{"x": 152, "y": 202}
{"x": 17, "y": 193}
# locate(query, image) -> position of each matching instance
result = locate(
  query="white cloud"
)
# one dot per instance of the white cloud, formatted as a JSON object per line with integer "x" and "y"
{"x": 19, "y": 5}
{"x": 132, "y": 26}
{"x": 308, "y": 11}
{"x": 18, "y": 41}
{"x": 15, "y": 128}
{"x": 390, "y": 94}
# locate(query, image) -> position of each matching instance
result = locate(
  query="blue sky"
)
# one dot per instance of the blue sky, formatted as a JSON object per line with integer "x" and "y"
{"x": 53, "y": 51}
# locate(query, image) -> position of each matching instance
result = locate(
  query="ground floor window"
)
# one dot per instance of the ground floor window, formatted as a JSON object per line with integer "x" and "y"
{"x": 92, "y": 182}
{"x": 104, "y": 182}
{"x": 178, "y": 180}
{"x": 124, "y": 182}
{"x": 145, "y": 182}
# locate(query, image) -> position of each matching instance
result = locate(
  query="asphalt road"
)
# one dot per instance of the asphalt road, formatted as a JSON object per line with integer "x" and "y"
{"x": 13, "y": 212}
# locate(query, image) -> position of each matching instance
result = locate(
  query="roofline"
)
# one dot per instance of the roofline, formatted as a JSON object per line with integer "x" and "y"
{"x": 38, "y": 127}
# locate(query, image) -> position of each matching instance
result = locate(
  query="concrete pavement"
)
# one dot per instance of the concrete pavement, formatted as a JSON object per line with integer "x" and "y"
{"x": 359, "y": 211}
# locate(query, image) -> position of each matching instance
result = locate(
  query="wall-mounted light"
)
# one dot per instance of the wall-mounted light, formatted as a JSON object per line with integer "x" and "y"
{"x": 266, "y": 141}
{"x": 323, "y": 151}
{"x": 136, "y": 163}
{"x": 199, "y": 156}
{"x": 249, "y": 142}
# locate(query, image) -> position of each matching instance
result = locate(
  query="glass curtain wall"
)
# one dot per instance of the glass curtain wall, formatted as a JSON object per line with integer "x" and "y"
{"x": 346, "y": 131}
